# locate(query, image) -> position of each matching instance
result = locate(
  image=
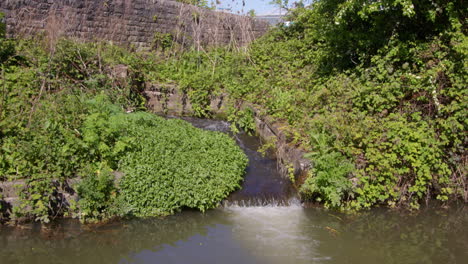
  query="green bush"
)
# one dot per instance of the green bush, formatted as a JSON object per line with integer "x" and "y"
{"x": 167, "y": 164}
{"x": 386, "y": 80}
{"x": 329, "y": 180}
{"x": 177, "y": 166}
{"x": 64, "y": 115}
{"x": 98, "y": 194}
{"x": 242, "y": 119}
{"x": 162, "y": 41}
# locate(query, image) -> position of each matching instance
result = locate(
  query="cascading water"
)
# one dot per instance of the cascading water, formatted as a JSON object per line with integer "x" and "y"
{"x": 263, "y": 184}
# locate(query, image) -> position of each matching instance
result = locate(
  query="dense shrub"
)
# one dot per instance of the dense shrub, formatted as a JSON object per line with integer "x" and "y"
{"x": 167, "y": 164}
{"x": 176, "y": 165}
{"x": 98, "y": 194}
{"x": 383, "y": 81}
{"x": 328, "y": 182}
{"x": 63, "y": 114}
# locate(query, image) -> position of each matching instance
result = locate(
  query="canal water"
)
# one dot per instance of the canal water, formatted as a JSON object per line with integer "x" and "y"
{"x": 261, "y": 223}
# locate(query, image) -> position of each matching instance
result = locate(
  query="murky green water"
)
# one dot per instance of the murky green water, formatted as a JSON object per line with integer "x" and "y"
{"x": 248, "y": 235}
{"x": 262, "y": 223}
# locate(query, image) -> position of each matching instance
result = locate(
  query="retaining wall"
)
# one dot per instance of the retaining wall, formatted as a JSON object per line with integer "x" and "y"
{"x": 129, "y": 21}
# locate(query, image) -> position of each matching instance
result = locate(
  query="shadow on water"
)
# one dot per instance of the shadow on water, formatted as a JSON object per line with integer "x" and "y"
{"x": 262, "y": 231}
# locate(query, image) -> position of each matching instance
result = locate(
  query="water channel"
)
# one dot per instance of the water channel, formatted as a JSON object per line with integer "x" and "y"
{"x": 261, "y": 223}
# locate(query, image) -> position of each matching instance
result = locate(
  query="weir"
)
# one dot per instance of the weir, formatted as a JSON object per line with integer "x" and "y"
{"x": 263, "y": 184}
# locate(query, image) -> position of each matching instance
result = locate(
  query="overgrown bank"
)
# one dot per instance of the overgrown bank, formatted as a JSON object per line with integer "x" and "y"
{"x": 375, "y": 93}
{"x": 71, "y": 110}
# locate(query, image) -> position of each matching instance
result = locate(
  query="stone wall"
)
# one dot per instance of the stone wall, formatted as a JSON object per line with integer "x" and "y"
{"x": 63, "y": 194}
{"x": 128, "y": 21}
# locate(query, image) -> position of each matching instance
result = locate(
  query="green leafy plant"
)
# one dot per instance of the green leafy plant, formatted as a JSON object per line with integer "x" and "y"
{"x": 242, "y": 119}
{"x": 162, "y": 41}
{"x": 97, "y": 193}
{"x": 178, "y": 166}
{"x": 329, "y": 179}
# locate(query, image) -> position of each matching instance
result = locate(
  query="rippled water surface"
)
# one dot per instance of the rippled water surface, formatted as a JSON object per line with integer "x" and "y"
{"x": 247, "y": 235}
{"x": 262, "y": 223}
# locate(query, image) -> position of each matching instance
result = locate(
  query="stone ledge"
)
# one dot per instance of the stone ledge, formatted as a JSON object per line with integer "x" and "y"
{"x": 9, "y": 191}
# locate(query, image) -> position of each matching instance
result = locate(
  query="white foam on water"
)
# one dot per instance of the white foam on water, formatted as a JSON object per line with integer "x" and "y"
{"x": 262, "y": 202}
{"x": 221, "y": 126}
{"x": 275, "y": 233}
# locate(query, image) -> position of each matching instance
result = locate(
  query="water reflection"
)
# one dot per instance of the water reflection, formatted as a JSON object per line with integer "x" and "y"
{"x": 248, "y": 235}
{"x": 383, "y": 236}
